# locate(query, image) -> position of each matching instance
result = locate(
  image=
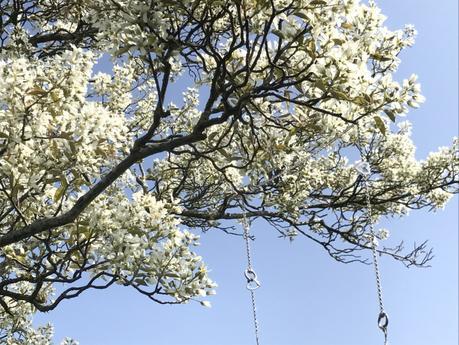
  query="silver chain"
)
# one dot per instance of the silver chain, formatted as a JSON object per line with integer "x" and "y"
{"x": 252, "y": 281}
{"x": 364, "y": 169}
{"x": 251, "y": 276}
{"x": 383, "y": 319}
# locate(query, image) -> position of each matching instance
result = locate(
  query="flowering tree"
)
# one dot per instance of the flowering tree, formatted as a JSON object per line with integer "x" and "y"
{"x": 101, "y": 174}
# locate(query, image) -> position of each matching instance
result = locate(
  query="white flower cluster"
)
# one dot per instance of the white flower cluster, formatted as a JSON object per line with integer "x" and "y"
{"x": 16, "y": 323}
{"x": 140, "y": 240}
{"x": 53, "y": 136}
{"x": 283, "y": 110}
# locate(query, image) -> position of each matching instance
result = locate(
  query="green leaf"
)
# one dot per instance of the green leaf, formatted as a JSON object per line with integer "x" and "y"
{"x": 224, "y": 153}
{"x": 63, "y": 180}
{"x": 301, "y": 15}
{"x": 140, "y": 281}
{"x": 278, "y": 33}
{"x": 37, "y": 91}
{"x": 359, "y": 100}
{"x": 59, "y": 193}
{"x": 339, "y": 95}
{"x": 380, "y": 57}
{"x": 318, "y": 2}
{"x": 320, "y": 84}
{"x": 390, "y": 114}
{"x": 380, "y": 125}
{"x": 311, "y": 49}
{"x": 62, "y": 188}
{"x": 211, "y": 136}
{"x": 135, "y": 231}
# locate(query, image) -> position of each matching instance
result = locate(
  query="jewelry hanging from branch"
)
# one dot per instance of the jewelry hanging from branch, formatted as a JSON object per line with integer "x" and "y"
{"x": 250, "y": 275}
{"x": 364, "y": 170}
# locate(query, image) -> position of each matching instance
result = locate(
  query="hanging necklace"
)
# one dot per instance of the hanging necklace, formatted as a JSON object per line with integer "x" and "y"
{"x": 251, "y": 276}
{"x": 363, "y": 168}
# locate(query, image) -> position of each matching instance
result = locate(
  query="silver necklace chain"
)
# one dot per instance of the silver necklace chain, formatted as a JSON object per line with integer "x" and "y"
{"x": 251, "y": 276}
{"x": 383, "y": 319}
{"x": 364, "y": 169}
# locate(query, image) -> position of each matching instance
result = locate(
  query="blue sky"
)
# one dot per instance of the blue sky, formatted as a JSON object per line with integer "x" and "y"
{"x": 306, "y": 297}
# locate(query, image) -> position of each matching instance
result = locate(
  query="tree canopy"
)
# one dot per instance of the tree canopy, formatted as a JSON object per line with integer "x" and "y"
{"x": 213, "y": 111}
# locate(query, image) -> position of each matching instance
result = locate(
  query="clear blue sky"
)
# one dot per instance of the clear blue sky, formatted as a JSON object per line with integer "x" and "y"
{"x": 306, "y": 297}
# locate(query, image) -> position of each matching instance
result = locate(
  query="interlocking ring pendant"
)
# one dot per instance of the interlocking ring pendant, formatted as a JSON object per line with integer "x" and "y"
{"x": 252, "y": 281}
{"x": 383, "y": 322}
